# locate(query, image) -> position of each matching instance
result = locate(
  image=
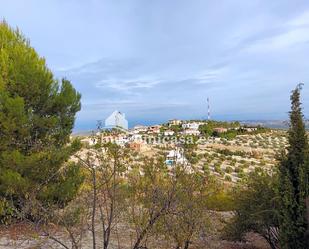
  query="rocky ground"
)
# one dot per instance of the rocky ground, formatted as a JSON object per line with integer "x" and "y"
{"x": 25, "y": 236}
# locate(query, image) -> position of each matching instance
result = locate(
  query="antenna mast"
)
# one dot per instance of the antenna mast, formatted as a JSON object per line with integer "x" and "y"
{"x": 208, "y": 108}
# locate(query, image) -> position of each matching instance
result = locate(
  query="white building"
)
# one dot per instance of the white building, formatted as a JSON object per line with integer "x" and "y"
{"x": 220, "y": 130}
{"x": 169, "y": 133}
{"x": 136, "y": 138}
{"x": 191, "y": 132}
{"x": 116, "y": 120}
{"x": 174, "y": 122}
{"x": 121, "y": 140}
{"x": 192, "y": 126}
{"x": 176, "y": 156}
{"x": 154, "y": 129}
{"x": 140, "y": 129}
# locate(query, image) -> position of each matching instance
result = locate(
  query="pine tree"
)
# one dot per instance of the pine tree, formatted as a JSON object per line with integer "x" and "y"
{"x": 37, "y": 114}
{"x": 293, "y": 180}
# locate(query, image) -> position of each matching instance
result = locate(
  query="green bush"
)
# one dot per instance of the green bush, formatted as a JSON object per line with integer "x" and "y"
{"x": 228, "y": 178}
{"x": 7, "y": 212}
{"x": 218, "y": 169}
{"x": 228, "y": 169}
{"x": 221, "y": 201}
{"x": 255, "y": 203}
{"x": 239, "y": 170}
{"x": 206, "y": 169}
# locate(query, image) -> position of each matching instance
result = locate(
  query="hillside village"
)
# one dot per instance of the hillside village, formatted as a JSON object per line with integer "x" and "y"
{"x": 227, "y": 150}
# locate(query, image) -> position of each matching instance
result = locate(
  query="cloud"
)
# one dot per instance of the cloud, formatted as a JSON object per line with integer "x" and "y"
{"x": 293, "y": 32}
{"x": 300, "y": 20}
{"x": 293, "y": 37}
{"x": 210, "y": 75}
{"x": 128, "y": 85}
{"x": 163, "y": 59}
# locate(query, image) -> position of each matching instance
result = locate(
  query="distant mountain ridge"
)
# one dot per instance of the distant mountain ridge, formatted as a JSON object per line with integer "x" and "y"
{"x": 277, "y": 124}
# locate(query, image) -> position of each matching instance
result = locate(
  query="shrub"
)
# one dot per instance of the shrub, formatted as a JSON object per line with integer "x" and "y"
{"x": 228, "y": 178}
{"x": 228, "y": 169}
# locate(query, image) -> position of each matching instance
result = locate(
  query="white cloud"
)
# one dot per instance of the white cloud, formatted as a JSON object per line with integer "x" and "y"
{"x": 280, "y": 42}
{"x": 300, "y": 20}
{"x": 293, "y": 32}
{"x": 210, "y": 75}
{"x": 128, "y": 84}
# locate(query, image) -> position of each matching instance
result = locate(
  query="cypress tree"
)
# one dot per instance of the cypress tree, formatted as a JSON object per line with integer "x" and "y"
{"x": 293, "y": 179}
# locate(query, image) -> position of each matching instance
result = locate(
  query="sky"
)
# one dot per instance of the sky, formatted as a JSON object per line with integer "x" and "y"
{"x": 156, "y": 60}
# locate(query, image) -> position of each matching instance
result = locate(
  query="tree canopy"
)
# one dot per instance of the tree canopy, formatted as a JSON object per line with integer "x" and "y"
{"x": 37, "y": 114}
{"x": 294, "y": 179}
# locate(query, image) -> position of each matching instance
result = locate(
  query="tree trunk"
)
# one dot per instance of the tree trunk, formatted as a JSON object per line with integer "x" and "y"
{"x": 94, "y": 205}
{"x": 187, "y": 244}
{"x": 307, "y": 205}
{"x": 147, "y": 228}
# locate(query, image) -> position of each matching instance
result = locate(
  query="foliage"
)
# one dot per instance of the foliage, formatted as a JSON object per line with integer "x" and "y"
{"x": 150, "y": 194}
{"x": 220, "y": 200}
{"x": 188, "y": 216}
{"x": 230, "y": 134}
{"x": 37, "y": 115}
{"x": 294, "y": 180}
{"x": 206, "y": 129}
{"x": 176, "y": 128}
{"x": 218, "y": 169}
{"x": 7, "y": 212}
{"x": 228, "y": 169}
{"x": 206, "y": 169}
{"x": 234, "y": 129}
{"x": 190, "y": 147}
{"x": 256, "y": 206}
